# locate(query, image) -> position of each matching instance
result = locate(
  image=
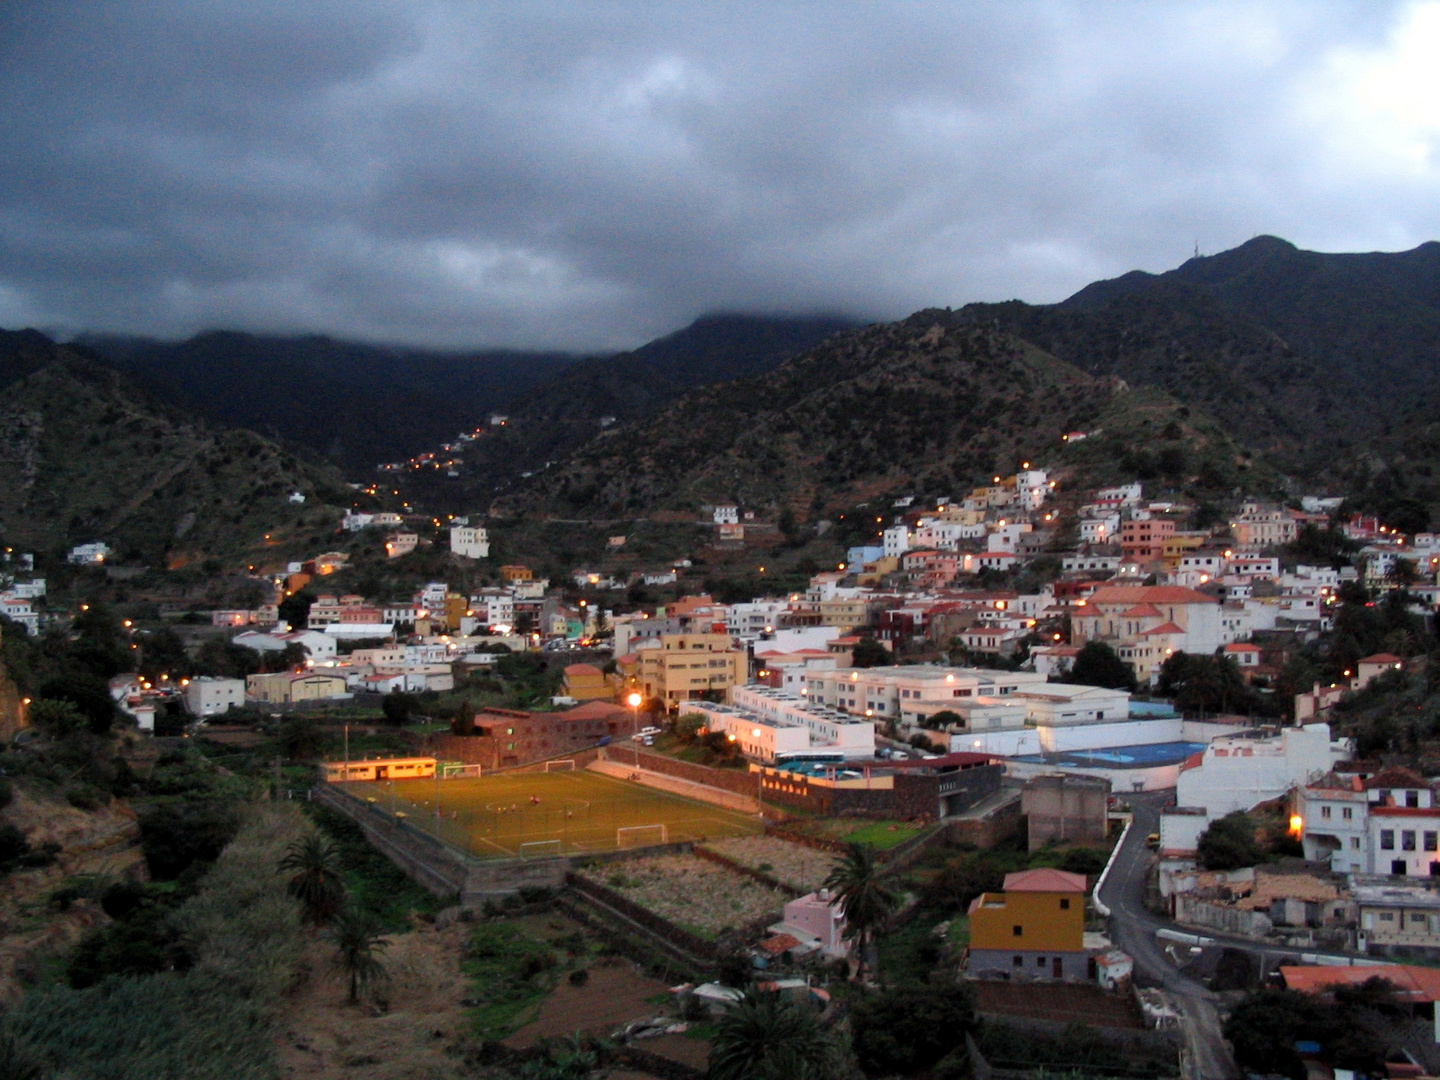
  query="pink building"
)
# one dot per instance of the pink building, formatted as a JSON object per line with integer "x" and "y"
{"x": 818, "y": 917}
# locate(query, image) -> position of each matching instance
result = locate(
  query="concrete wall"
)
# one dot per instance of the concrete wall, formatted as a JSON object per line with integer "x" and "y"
{"x": 1061, "y": 737}
{"x": 1073, "y": 965}
{"x": 1065, "y": 809}
{"x": 676, "y": 786}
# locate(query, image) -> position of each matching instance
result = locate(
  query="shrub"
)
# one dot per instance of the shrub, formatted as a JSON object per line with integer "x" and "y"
{"x": 176, "y": 835}
{"x": 579, "y": 977}
{"x": 907, "y": 1029}
{"x": 13, "y": 846}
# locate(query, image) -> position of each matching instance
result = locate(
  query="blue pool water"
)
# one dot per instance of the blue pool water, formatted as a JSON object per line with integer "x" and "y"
{"x": 1120, "y": 757}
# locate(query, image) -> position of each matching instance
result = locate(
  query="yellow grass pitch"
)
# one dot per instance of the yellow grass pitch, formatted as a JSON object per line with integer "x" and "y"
{"x": 553, "y": 813}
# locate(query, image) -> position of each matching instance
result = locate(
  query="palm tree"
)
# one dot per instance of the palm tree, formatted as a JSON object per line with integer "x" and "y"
{"x": 315, "y": 880}
{"x": 866, "y": 902}
{"x": 765, "y": 1037}
{"x": 357, "y": 939}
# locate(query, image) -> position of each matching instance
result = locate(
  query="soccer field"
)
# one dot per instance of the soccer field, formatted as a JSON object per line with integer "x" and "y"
{"x": 536, "y": 814}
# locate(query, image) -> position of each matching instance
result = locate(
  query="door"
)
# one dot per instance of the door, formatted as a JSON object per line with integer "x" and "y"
{"x": 382, "y": 772}
{"x": 1056, "y": 968}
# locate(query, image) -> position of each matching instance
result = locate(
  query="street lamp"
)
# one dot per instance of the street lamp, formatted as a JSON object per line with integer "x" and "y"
{"x": 634, "y": 701}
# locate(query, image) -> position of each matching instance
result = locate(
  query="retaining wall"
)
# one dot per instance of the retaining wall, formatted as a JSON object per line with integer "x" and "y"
{"x": 426, "y": 860}
{"x": 676, "y": 785}
{"x": 692, "y": 944}
{"x": 732, "y": 780}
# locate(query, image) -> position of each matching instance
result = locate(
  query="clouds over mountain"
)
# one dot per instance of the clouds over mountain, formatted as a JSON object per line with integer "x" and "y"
{"x": 587, "y": 176}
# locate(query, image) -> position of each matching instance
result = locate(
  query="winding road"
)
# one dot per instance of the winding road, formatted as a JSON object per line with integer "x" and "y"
{"x": 1132, "y": 928}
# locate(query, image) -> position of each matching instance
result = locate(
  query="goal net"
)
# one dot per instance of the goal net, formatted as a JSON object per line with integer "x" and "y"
{"x": 560, "y": 766}
{"x": 538, "y": 848}
{"x": 629, "y": 836}
{"x": 458, "y": 771}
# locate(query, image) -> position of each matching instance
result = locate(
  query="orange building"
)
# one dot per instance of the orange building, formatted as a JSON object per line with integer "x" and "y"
{"x": 1036, "y": 927}
{"x": 586, "y": 682}
{"x": 1146, "y": 539}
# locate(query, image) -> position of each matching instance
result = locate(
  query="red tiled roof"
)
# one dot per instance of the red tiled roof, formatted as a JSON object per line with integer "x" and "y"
{"x": 1046, "y": 879}
{"x": 1415, "y": 983}
{"x": 1164, "y": 628}
{"x": 582, "y": 669}
{"x": 1241, "y": 646}
{"x": 594, "y": 710}
{"x": 1148, "y": 594}
{"x": 1396, "y": 776}
{"x": 779, "y": 943}
{"x": 1381, "y": 658}
{"x": 1141, "y": 611}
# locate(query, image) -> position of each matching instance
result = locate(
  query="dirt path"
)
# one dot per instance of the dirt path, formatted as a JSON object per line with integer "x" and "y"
{"x": 614, "y": 995}
{"x": 323, "y": 1037}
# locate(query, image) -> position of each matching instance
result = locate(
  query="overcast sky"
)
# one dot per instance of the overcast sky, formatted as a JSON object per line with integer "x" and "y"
{"x": 591, "y": 175}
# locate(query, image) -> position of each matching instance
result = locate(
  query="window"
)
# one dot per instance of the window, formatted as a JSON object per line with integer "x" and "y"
{"x": 1417, "y": 918}
{"x": 1387, "y": 916}
{"x": 1430, "y": 839}
{"x": 1412, "y": 799}
{"x": 1397, "y": 867}
{"x": 1064, "y": 903}
{"x": 1355, "y": 843}
{"x": 1017, "y": 931}
{"x": 1039, "y": 961}
{"x": 1407, "y": 840}
{"x": 1347, "y": 812}
{"x": 1018, "y": 961}
{"x": 1387, "y": 839}
{"x": 1324, "y": 811}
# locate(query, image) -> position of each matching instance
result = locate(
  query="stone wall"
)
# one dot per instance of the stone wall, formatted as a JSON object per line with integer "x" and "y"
{"x": 1202, "y": 913}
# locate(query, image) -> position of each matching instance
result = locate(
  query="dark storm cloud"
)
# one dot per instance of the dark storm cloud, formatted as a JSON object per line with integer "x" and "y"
{"x": 590, "y": 175}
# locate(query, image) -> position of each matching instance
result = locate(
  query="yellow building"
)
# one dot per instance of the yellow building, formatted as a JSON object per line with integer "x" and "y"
{"x": 1036, "y": 927}
{"x": 679, "y": 667}
{"x": 338, "y": 772}
{"x": 288, "y": 687}
{"x": 586, "y": 682}
{"x": 1179, "y": 545}
{"x": 516, "y": 573}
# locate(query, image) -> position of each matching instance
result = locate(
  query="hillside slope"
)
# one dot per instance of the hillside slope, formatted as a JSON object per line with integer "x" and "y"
{"x": 356, "y": 404}
{"x": 1304, "y": 355}
{"x": 932, "y": 404}
{"x": 85, "y": 455}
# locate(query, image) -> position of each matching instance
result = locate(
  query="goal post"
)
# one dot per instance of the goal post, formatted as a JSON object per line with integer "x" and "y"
{"x": 533, "y": 849}
{"x": 631, "y": 836}
{"x": 458, "y": 771}
{"x": 568, "y": 765}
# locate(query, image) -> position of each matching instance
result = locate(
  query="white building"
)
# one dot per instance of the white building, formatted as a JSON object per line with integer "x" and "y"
{"x": 1386, "y": 824}
{"x": 89, "y": 554}
{"x": 828, "y": 729}
{"x": 892, "y": 692}
{"x": 726, "y": 515}
{"x": 356, "y": 522}
{"x": 470, "y": 542}
{"x": 320, "y": 646}
{"x": 21, "y": 611}
{"x": 1236, "y": 772}
{"x": 896, "y": 541}
{"x": 208, "y": 695}
{"x": 494, "y": 607}
{"x": 751, "y": 620}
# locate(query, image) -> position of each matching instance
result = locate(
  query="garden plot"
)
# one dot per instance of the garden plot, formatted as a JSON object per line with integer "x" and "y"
{"x": 703, "y": 897}
{"x": 801, "y": 867}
